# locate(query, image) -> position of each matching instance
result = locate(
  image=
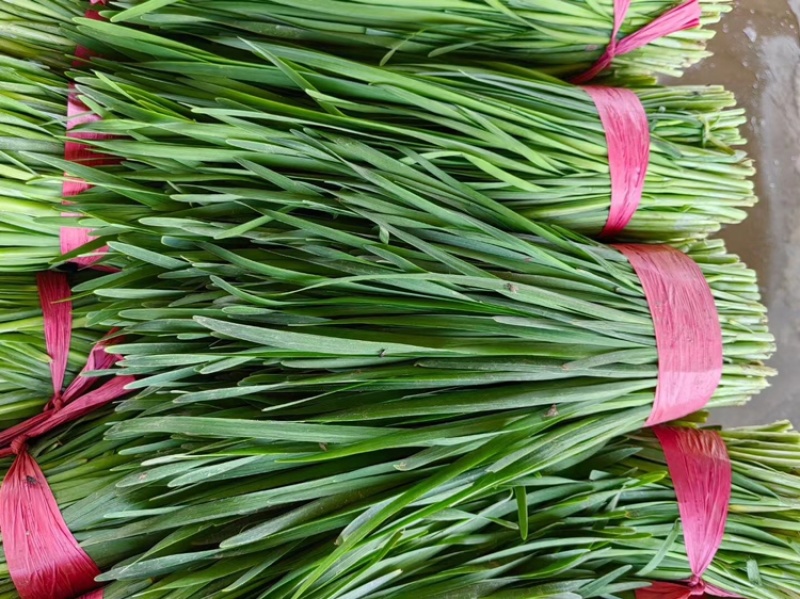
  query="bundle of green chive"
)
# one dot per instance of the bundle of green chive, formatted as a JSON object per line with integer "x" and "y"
{"x": 365, "y": 367}
{"x": 560, "y": 37}
{"x": 462, "y": 136}
{"x": 508, "y": 375}
{"x": 598, "y": 526}
{"x": 457, "y": 134}
{"x": 605, "y": 525}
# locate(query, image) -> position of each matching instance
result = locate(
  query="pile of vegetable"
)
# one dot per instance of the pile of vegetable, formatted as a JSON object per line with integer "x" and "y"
{"x": 344, "y": 256}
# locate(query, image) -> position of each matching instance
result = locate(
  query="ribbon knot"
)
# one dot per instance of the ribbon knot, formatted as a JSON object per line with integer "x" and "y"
{"x": 17, "y": 437}
{"x": 44, "y": 559}
{"x": 697, "y": 586}
{"x": 683, "y": 16}
{"x": 19, "y": 444}
{"x": 56, "y": 404}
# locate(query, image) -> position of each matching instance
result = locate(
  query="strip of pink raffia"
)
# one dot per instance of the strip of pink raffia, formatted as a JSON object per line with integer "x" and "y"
{"x": 689, "y": 342}
{"x": 44, "y": 559}
{"x": 78, "y": 114}
{"x": 700, "y": 469}
{"x": 683, "y": 16}
{"x": 687, "y": 329}
{"x": 628, "y": 138}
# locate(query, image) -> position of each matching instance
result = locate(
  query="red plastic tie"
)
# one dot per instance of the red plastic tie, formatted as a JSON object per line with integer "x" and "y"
{"x": 45, "y": 561}
{"x": 628, "y": 137}
{"x": 78, "y": 113}
{"x": 700, "y": 469}
{"x": 683, "y": 16}
{"x": 687, "y": 329}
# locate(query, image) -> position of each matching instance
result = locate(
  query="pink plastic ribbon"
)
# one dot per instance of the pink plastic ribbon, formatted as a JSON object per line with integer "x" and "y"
{"x": 687, "y": 329}
{"x": 45, "y": 561}
{"x": 700, "y": 469}
{"x": 628, "y": 138}
{"x": 78, "y": 113}
{"x": 683, "y": 16}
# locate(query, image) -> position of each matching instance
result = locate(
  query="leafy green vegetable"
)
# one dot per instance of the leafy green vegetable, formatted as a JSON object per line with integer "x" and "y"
{"x": 505, "y": 145}
{"x": 365, "y": 369}
{"x": 562, "y": 37}
{"x": 600, "y": 524}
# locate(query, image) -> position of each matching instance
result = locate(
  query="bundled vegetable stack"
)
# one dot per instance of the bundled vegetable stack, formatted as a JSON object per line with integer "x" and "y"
{"x": 607, "y": 524}
{"x": 465, "y": 137}
{"x": 466, "y": 408}
{"x": 522, "y": 150}
{"x": 563, "y": 38}
{"x": 363, "y": 274}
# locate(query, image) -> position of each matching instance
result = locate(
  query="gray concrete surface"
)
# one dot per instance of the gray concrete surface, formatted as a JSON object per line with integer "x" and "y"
{"x": 757, "y": 55}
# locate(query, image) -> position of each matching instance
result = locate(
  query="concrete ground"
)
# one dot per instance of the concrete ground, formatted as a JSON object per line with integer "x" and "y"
{"x": 757, "y": 55}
